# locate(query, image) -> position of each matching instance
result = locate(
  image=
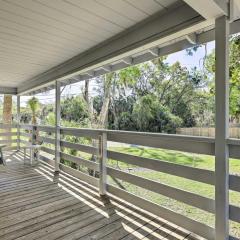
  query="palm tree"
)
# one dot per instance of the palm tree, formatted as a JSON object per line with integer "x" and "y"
{"x": 34, "y": 106}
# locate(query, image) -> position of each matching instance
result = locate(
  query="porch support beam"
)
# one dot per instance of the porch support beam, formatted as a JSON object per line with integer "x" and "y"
{"x": 8, "y": 90}
{"x": 222, "y": 129}
{"x": 18, "y": 122}
{"x": 102, "y": 154}
{"x": 209, "y": 9}
{"x": 57, "y": 124}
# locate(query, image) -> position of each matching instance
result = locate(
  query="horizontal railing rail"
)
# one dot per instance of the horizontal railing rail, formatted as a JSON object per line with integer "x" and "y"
{"x": 95, "y": 146}
{"x": 4, "y": 126}
{"x": 79, "y": 147}
{"x": 9, "y": 136}
{"x": 46, "y": 140}
{"x": 196, "y": 174}
{"x": 80, "y": 161}
{"x": 189, "y": 198}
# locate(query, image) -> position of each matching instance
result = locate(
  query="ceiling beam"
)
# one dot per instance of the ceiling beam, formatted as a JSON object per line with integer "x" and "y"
{"x": 154, "y": 51}
{"x": 8, "y": 90}
{"x": 90, "y": 73}
{"x": 107, "y": 68}
{"x": 234, "y": 10}
{"x": 209, "y": 9}
{"x": 162, "y": 27}
{"x": 128, "y": 60}
{"x": 192, "y": 38}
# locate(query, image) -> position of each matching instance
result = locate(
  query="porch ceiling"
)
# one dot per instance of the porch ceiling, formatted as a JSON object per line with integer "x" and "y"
{"x": 42, "y": 41}
{"x": 36, "y": 35}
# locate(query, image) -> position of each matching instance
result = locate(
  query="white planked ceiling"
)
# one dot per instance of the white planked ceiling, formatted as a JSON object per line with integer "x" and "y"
{"x": 36, "y": 35}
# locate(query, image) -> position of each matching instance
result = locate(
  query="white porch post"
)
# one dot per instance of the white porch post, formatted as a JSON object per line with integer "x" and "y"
{"x": 222, "y": 128}
{"x": 102, "y": 164}
{"x": 57, "y": 124}
{"x": 18, "y": 122}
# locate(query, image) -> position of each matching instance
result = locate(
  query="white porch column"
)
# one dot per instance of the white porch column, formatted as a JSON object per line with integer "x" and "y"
{"x": 102, "y": 154}
{"x": 57, "y": 124}
{"x": 222, "y": 128}
{"x": 18, "y": 122}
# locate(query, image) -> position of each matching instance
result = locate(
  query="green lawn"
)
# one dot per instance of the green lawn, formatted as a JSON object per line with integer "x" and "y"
{"x": 194, "y": 160}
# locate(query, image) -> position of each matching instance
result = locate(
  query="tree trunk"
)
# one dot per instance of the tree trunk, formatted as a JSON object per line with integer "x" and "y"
{"x": 86, "y": 92}
{"x": 101, "y": 121}
{"x": 7, "y": 114}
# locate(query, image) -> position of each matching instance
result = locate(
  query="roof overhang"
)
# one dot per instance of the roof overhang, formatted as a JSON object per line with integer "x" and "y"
{"x": 183, "y": 25}
{"x": 103, "y": 67}
{"x": 157, "y": 30}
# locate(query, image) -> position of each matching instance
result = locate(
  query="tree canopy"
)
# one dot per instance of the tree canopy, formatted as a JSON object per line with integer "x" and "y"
{"x": 154, "y": 96}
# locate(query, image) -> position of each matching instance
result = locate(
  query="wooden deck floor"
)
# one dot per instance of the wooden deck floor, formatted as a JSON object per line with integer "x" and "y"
{"x": 35, "y": 205}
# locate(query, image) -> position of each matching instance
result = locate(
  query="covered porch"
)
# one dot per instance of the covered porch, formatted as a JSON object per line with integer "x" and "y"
{"x": 51, "y": 44}
{"x": 37, "y": 204}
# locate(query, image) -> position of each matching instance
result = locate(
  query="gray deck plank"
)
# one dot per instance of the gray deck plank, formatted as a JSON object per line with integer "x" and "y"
{"x": 36, "y": 205}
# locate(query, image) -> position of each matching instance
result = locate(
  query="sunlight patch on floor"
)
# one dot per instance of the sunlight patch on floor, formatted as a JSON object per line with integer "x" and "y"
{"x": 97, "y": 209}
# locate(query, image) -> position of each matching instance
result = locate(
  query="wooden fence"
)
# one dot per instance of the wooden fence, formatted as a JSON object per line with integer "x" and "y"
{"x": 234, "y": 132}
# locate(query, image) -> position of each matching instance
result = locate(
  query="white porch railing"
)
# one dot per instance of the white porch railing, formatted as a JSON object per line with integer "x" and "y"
{"x": 9, "y": 135}
{"x": 191, "y": 144}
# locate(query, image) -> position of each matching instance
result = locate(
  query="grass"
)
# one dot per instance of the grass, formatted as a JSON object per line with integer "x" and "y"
{"x": 175, "y": 157}
{"x": 187, "y": 159}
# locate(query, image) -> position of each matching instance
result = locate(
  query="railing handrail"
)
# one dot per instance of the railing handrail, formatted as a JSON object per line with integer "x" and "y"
{"x": 162, "y": 135}
{"x": 231, "y": 141}
{"x": 150, "y": 134}
{"x": 194, "y": 144}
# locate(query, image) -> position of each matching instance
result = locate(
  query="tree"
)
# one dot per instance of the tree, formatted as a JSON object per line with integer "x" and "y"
{"x": 150, "y": 115}
{"x": 34, "y": 105}
{"x": 234, "y": 76}
{"x": 7, "y": 113}
{"x": 175, "y": 88}
{"x": 75, "y": 109}
{"x": 102, "y": 118}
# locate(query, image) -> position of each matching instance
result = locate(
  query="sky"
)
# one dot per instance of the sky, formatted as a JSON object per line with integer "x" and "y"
{"x": 191, "y": 61}
{"x": 181, "y": 56}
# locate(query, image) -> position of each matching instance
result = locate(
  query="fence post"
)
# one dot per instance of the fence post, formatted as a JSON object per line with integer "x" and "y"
{"x": 57, "y": 125}
{"x": 34, "y": 135}
{"x": 18, "y": 122}
{"x": 222, "y": 128}
{"x": 102, "y": 153}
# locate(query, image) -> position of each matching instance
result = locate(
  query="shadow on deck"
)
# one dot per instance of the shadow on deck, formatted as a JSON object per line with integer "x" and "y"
{"x": 36, "y": 205}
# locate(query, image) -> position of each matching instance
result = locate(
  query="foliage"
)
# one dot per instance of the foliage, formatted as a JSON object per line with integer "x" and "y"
{"x": 155, "y": 90}
{"x": 34, "y": 105}
{"x": 149, "y": 115}
{"x": 154, "y": 96}
{"x": 234, "y": 73}
{"x": 74, "y": 109}
{"x": 50, "y": 119}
